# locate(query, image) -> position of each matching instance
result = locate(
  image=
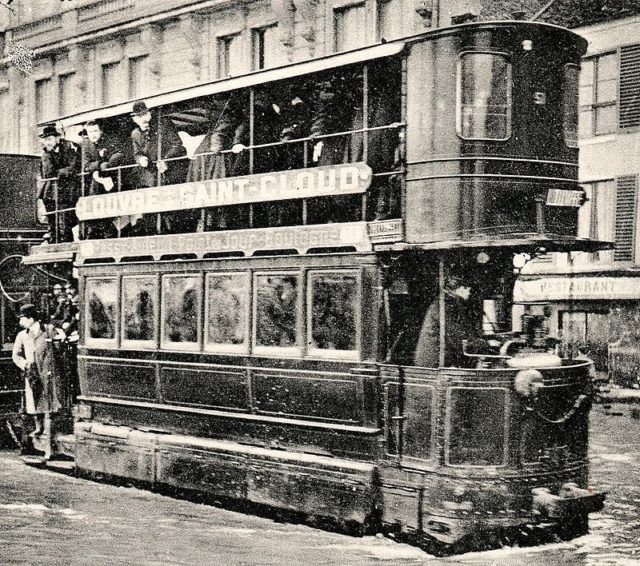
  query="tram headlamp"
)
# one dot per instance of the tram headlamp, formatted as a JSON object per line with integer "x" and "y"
{"x": 520, "y": 260}
{"x": 528, "y": 383}
{"x": 527, "y": 45}
{"x": 482, "y": 258}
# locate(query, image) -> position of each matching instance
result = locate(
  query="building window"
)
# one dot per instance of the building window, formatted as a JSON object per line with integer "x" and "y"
{"x": 5, "y": 125}
{"x": 43, "y": 100}
{"x": 596, "y": 218}
{"x": 484, "y": 96}
{"x": 390, "y": 19}
{"x": 264, "y": 44}
{"x": 111, "y": 85}
{"x": 229, "y": 55}
{"x": 67, "y": 101}
{"x": 349, "y": 27}
{"x": 137, "y": 76}
{"x": 598, "y": 95}
{"x": 570, "y": 104}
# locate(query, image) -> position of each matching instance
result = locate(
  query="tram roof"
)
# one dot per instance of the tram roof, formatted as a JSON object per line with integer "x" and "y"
{"x": 263, "y": 76}
{"x": 242, "y": 81}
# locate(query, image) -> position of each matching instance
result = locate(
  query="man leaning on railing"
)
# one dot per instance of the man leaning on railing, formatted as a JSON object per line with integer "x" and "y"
{"x": 59, "y": 184}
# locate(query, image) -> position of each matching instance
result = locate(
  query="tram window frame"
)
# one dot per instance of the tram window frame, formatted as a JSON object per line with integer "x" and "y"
{"x": 571, "y": 106}
{"x": 509, "y": 93}
{"x": 228, "y": 348}
{"x": 333, "y": 353}
{"x": 152, "y": 342}
{"x": 109, "y": 343}
{"x": 280, "y": 351}
{"x": 166, "y": 344}
{"x": 506, "y": 431}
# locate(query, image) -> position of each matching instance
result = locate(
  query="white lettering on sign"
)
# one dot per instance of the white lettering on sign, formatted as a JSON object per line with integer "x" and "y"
{"x": 299, "y": 183}
{"x": 301, "y": 238}
{"x": 562, "y": 197}
{"x": 577, "y": 288}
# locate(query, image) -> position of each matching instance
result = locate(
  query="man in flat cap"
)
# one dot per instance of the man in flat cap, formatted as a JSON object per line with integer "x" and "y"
{"x": 59, "y": 188}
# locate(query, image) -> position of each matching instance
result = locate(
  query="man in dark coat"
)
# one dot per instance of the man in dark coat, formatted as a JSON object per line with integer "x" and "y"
{"x": 33, "y": 354}
{"x": 60, "y": 160}
{"x": 145, "y": 149}
{"x": 100, "y": 154}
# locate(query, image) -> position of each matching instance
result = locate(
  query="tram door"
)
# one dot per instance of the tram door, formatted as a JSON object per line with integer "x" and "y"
{"x": 410, "y": 387}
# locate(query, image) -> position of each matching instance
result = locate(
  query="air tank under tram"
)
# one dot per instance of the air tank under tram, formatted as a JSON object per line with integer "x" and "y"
{"x": 333, "y": 336}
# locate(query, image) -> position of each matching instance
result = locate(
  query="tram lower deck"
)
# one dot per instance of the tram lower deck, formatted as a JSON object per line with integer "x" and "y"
{"x": 226, "y": 378}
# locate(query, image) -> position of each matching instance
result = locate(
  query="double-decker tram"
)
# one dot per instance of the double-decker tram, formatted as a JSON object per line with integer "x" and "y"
{"x": 307, "y": 303}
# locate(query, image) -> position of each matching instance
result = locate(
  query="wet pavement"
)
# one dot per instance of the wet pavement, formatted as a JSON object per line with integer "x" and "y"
{"x": 53, "y": 519}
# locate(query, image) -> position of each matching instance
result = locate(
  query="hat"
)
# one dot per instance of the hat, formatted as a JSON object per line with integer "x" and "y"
{"x": 139, "y": 108}
{"x": 28, "y": 310}
{"x": 49, "y": 131}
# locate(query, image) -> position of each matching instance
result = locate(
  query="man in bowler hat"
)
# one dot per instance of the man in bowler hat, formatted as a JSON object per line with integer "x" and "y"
{"x": 59, "y": 169}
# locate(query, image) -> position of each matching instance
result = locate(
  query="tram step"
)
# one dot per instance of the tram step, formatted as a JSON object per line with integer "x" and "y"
{"x": 66, "y": 444}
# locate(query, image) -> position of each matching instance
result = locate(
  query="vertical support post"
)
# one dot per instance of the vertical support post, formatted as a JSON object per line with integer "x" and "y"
{"x": 159, "y": 158}
{"x": 441, "y": 312}
{"x": 365, "y": 133}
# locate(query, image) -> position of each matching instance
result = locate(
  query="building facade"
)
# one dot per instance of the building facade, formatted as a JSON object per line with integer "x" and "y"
{"x": 595, "y": 298}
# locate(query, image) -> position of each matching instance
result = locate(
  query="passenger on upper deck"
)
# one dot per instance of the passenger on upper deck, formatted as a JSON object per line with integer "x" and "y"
{"x": 99, "y": 153}
{"x": 146, "y": 137}
{"x": 60, "y": 160}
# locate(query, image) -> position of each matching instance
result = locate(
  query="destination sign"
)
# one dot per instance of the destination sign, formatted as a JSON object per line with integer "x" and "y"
{"x": 298, "y": 183}
{"x": 301, "y": 238}
{"x": 562, "y": 197}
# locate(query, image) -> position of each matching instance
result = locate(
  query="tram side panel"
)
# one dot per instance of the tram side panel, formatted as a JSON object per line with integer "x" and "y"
{"x": 299, "y": 434}
{"x": 492, "y": 137}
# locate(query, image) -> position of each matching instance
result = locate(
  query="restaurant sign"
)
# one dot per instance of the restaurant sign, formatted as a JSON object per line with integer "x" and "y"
{"x": 298, "y": 183}
{"x": 300, "y": 238}
{"x": 576, "y": 288}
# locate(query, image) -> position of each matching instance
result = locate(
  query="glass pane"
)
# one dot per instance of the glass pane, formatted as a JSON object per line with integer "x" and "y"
{"x": 607, "y": 91}
{"x": 477, "y": 427}
{"x": 586, "y": 95}
{"x": 607, "y": 67}
{"x": 349, "y": 27}
{"x": 138, "y": 308}
{"x": 586, "y": 73}
{"x": 226, "y": 309}
{"x": 606, "y": 120}
{"x": 333, "y": 311}
{"x": 571, "y": 105}
{"x": 276, "y": 298}
{"x": 484, "y": 96}
{"x": 101, "y": 308}
{"x": 584, "y": 124}
{"x": 180, "y": 298}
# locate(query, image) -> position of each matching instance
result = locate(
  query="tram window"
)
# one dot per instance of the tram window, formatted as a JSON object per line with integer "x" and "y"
{"x": 276, "y": 311}
{"x": 484, "y": 96}
{"x": 476, "y": 427}
{"x": 180, "y": 311}
{"x": 102, "y": 297}
{"x": 570, "y": 104}
{"x": 332, "y": 313}
{"x": 226, "y": 299}
{"x": 138, "y": 309}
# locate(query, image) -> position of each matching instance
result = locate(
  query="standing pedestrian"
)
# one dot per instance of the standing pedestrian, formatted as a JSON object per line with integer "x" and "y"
{"x": 33, "y": 354}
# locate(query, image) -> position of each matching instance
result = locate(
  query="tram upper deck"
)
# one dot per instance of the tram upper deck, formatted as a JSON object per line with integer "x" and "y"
{"x": 458, "y": 136}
